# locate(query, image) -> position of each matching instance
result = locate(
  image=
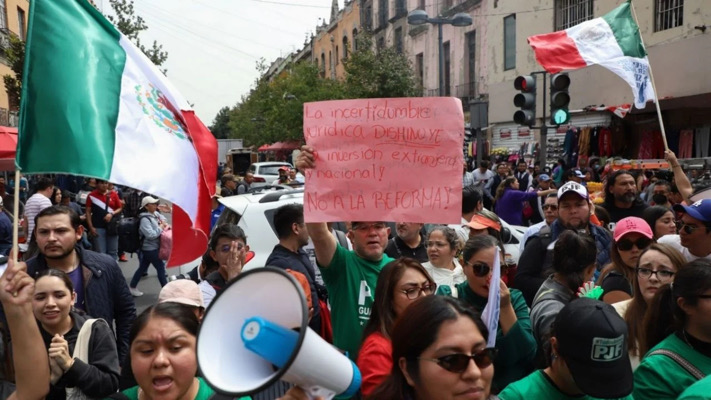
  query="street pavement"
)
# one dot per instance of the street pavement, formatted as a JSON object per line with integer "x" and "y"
{"x": 148, "y": 285}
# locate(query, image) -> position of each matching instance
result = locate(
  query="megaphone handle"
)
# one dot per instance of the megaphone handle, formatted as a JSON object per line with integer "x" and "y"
{"x": 318, "y": 393}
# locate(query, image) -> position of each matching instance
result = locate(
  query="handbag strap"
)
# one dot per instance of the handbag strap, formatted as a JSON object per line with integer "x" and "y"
{"x": 81, "y": 352}
{"x": 689, "y": 367}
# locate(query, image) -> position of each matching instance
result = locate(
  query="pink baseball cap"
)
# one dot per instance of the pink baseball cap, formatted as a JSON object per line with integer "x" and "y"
{"x": 632, "y": 224}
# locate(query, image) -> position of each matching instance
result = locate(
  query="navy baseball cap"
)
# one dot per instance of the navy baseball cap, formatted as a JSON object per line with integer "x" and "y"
{"x": 592, "y": 340}
{"x": 700, "y": 210}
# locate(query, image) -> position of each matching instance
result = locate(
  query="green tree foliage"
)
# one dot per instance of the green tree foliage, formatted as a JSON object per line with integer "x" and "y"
{"x": 273, "y": 111}
{"x": 220, "y": 127}
{"x": 377, "y": 74}
{"x": 132, "y": 25}
{"x": 14, "y": 53}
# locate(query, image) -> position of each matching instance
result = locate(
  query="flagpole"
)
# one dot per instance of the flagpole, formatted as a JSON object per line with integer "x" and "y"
{"x": 651, "y": 78}
{"x": 15, "y": 216}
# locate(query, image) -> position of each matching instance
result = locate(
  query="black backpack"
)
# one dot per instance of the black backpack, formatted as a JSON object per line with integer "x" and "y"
{"x": 130, "y": 239}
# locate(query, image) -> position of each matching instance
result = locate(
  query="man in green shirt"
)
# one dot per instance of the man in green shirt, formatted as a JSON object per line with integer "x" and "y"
{"x": 350, "y": 276}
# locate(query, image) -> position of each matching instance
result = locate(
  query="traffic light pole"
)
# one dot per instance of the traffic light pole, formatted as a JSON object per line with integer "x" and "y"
{"x": 543, "y": 154}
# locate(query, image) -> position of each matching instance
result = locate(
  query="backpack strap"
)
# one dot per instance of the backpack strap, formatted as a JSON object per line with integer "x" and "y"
{"x": 688, "y": 367}
{"x": 342, "y": 239}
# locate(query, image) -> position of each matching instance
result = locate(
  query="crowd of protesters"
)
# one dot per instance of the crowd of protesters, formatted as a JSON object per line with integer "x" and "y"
{"x": 608, "y": 300}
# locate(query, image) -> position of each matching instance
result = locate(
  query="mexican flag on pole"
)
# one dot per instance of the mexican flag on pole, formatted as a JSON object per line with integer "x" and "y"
{"x": 612, "y": 41}
{"x": 94, "y": 105}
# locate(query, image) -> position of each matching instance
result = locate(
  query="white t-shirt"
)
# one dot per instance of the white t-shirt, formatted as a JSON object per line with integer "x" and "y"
{"x": 34, "y": 205}
{"x": 445, "y": 277}
{"x": 481, "y": 178}
{"x": 675, "y": 242}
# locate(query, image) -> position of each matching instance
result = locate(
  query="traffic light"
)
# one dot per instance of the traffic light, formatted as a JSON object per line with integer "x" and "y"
{"x": 560, "y": 99}
{"x": 526, "y": 100}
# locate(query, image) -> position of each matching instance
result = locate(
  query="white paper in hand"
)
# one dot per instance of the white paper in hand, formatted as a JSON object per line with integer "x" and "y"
{"x": 491, "y": 312}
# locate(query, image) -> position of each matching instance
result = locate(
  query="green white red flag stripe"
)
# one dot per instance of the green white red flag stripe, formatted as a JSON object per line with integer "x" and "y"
{"x": 94, "y": 105}
{"x": 612, "y": 41}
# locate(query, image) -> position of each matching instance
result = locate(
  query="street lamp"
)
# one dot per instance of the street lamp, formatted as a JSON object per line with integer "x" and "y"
{"x": 419, "y": 17}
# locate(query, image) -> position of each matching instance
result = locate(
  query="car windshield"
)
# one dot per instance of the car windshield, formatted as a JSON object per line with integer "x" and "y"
{"x": 270, "y": 169}
{"x": 227, "y": 217}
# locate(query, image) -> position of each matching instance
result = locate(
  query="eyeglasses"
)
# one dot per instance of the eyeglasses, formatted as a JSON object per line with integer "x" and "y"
{"x": 688, "y": 229}
{"x": 417, "y": 291}
{"x": 366, "y": 227}
{"x": 480, "y": 269}
{"x": 226, "y": 248}
{"x": 626, "y": 244}
{"x": 661, "y": 274}
{"x": 459, "y": 362}
{"x": 551, "y": 206}
{"x": 439, "y": 245}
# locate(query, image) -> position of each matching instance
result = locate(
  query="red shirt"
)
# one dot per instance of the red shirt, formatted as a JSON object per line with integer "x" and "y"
{"x": 98, "y": 213}
{"x": 375, "y": 361}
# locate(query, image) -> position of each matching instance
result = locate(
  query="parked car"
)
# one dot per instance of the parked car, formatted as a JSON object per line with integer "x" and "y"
{"x": 254, "y": 213}
{"x": 266, "y": 172}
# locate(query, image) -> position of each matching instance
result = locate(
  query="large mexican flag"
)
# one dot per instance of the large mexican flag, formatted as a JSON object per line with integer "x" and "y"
{"x": 94, "y": 105}
{"x": 612, "y": 41}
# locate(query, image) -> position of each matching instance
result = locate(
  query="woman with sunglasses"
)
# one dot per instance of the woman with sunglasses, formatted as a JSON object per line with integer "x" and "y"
{"x": 400, "y": 283}
{"x": 661, "y": 220}
{"x": 434, "y": 343}
{"x": 574, "y": 257}
{"x": 656, "y": 267}
{"x": 442, "y": 248}
{"x": 631, "y": 237}
{"x": 514, "y": 338}
{"x": 584, "y": 361}
{"x": 677, "y": 325}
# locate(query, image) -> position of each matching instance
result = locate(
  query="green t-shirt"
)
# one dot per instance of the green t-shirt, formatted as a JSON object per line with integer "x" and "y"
{"x": 204, "y": 392}
{"x": 538, "y": 386}
{"x": 700, "y": 390}
{"x": 660, "y": 377}
{"x": 517, "y": 349}
{"x": 351, "y": 284}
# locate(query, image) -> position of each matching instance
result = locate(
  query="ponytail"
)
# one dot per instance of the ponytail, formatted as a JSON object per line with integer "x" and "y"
{"x": 660, "y": 320}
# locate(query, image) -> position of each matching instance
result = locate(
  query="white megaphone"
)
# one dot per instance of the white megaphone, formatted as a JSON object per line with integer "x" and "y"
{"x": 256, "y": 332}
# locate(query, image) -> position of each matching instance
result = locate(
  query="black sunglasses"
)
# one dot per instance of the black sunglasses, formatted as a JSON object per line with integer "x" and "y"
{"x": 626, "y": 244}
{"x": 480, "y": 269}
{"x": 459, "y": 362}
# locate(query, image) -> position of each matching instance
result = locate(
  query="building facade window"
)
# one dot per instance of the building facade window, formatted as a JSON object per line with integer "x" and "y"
{"x": 368, "y": 18}
{"x": 447, "y": 67}
{"x": 355, "y": 39}
{"x": 510, "y": 42}
{"x": 400, "y": 7}
{"x": 323, "y": 65}
{"x": 383, "y": 7}
{"x": 470, "y": 52}
{"x": 21, "y": 31}
{"x": 572, "y": 12}
{"x": 337, "y": 55}
{"x": 345, "y": 47}
{"x": 381, "y": 43}
{"x": 420, "y": 4}
{"x": 420, "y": 69}
{"x": 668, "y": 14}
{"x": 398, "y": 40}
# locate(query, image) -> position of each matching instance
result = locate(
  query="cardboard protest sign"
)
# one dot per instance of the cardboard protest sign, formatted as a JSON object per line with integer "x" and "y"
{"x": 385, "y": 160}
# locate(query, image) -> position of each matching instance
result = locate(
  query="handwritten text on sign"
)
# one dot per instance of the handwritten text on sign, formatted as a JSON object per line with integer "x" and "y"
{"x": 385, "y": 160}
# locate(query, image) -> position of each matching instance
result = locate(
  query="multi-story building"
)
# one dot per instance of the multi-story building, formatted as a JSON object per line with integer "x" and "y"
{"x": 387, "y": 21}
{"x": 334, "y": 41}
{"x": 13, "y": 21}
{"x": 677, "y": 36}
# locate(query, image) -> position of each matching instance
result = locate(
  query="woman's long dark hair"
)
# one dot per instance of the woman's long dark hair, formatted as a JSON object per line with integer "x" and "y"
{"x": 634, "y": 316}
{"x": 183, "y": 315}
{"x": 573, "y": 252}
{"x": 413, "y": 333}
{"x": 382, "y": 316}
{"x": 664, "y": 315}
{"x": 652, "y": 214}
{"x": 505, "y": 184}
